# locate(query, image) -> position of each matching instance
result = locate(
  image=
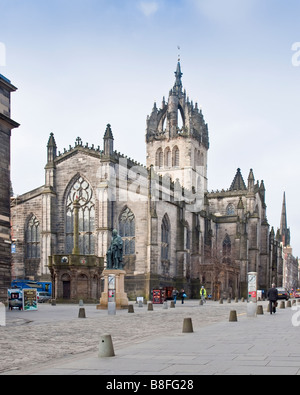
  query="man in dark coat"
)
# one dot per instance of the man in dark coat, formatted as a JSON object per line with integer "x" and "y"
{"x": 272, "y": 296}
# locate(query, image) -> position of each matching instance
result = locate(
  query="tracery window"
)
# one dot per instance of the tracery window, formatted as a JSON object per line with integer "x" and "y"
{"x": 127, "y": 231}
{"x": 165, "y": 238}
{"x": 32, "y": 236}
{"x": 230, "y": 210}
{"x": 82, "y": 191}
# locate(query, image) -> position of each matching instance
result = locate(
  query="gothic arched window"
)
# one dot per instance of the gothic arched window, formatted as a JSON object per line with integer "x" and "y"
{"x": 32, "y": 237}
{"x": 168, "y": 157}
{"x": 226, "y": 249}
{"x": 82, "y": 191}
{"x": 175, "y": 156}
{"x": 159, "y": 159}
{"x": 127, "y": 231}
{"x": 165, "y": 238}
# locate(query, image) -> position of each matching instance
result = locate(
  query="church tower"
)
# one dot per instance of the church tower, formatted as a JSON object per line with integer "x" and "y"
{"x": 284, "y": 230}
{"x": 177, "y": 139}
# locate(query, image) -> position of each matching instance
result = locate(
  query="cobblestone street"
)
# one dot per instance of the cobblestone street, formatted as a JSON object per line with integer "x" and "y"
{"x": 56, "y": 332}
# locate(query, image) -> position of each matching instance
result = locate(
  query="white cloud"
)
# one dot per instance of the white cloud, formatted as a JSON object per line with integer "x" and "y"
{"x": 148, "y": 8}
{"x": 225, "y": 11}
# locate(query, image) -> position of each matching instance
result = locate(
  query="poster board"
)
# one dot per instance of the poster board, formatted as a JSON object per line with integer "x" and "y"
{"x": 30, "y": 299}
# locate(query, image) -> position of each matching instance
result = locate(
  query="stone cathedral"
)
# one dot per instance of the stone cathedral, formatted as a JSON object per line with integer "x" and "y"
{"x": 175, "y": 233}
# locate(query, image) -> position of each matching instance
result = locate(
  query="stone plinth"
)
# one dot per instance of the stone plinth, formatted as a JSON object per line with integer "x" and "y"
{"x": 121, "y": 299}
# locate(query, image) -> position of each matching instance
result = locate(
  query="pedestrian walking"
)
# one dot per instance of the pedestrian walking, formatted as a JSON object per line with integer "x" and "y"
{"x": 175, "y": 294}
{"x": 273, "y": 297}
{"x": 203, "y": 293}
{"x": 182, "y": 295}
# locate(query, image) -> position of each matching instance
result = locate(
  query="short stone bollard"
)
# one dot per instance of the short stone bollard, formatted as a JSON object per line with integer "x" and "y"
{"x": 172, "y": 304}
{"x": 228, "y": 300}
{"x": 165, "y": 305}
{"x": 282, "y": 305}
{"x": 268, "y": 308}
{"x": 81, "y": 313}
{"x": 130, "y": 308}
{"x": 221, "y": 301}
{"x": 106, "y": 348}
{"x": 81, "y": 302}
{"x": 288, "y": 303}
{"x": 232, "y": 316}
{"x": 236, "y": 300}
{"x": 53, "y": 302}
{"x": 201, "y": 302}
{"x": 187, "y": 325}
{"x": 140, "y": 303}
{"x": 243, "y": 299}
{"x": 259, "y": 309}
{"x": 150, "y": 306}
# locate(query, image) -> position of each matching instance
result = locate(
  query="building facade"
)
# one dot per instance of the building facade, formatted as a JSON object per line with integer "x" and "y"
{"x": 6, "y": 126}
{"x": 175, "y": 232}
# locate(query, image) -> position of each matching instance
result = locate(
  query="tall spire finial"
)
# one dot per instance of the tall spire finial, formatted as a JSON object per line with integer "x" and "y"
{"x": 178, "y": 74}
{"x": 178, "y": 47}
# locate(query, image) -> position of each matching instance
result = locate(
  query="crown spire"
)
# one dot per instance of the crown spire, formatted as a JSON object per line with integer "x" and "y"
{"x": 178, "y": 74}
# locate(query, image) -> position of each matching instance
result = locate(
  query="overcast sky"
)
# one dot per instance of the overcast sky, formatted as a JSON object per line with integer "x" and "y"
{"x": 80, "y": 64}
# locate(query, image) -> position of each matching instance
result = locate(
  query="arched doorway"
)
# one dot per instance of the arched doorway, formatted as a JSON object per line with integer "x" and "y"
{"x": 66, "y": 286}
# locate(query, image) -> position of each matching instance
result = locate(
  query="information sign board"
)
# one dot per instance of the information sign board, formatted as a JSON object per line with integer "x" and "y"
{"x": 30, "y": 299}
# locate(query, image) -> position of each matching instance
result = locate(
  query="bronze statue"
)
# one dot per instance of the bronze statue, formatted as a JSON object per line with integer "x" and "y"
{"x": 114, "y": 254}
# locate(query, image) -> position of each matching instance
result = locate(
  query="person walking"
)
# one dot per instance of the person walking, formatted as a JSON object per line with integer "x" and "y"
{"x": 182, "y": 295}
{"x": 203, "y": 293}
{"x": 273, "y": 297}
{"x": 175, "y": 294}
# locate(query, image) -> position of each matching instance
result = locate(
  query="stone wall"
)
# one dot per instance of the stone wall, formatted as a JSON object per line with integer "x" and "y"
{"x": 6, "y": 125}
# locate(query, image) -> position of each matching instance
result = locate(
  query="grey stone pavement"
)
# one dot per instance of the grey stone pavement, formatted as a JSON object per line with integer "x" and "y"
{"x": 54, "y": 341}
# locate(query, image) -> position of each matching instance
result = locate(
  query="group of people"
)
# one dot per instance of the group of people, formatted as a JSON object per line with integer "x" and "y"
{"x": 272, "y": 296}
{"x": 182, "y": 294}
{"x": 176, "y": 294}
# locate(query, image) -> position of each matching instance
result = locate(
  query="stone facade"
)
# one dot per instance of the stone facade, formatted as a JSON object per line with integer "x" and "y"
{"x": 175, "y": 232}
{"x": 6, "y": 125}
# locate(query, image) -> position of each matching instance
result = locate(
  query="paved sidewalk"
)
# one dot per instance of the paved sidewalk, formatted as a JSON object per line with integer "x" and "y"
{"x": 265, "y": 345}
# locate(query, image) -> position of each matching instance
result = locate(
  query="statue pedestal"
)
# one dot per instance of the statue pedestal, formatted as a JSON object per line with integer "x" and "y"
{"x": 120, "y": 297}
